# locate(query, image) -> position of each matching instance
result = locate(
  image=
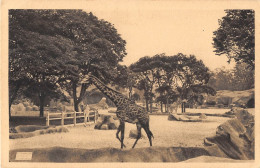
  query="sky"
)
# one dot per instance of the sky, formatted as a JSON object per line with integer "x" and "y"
{"x": 150, "y": 30}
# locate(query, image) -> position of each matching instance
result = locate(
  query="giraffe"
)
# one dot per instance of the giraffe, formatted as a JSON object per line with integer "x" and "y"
{"x": 127, "y": 111}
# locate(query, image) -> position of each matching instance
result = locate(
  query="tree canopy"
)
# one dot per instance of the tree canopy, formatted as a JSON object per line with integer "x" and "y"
{"x": 61, "y": 46}
{"x": 171, "y": 76}
{"x": 235, "y": 37}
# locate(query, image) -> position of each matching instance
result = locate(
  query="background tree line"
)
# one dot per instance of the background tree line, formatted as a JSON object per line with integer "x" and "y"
{"x": 237, "y": 79}
{"x": 51, "y": 50}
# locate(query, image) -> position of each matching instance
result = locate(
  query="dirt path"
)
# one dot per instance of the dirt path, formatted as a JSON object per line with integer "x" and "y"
{"x": 166, "y": 133}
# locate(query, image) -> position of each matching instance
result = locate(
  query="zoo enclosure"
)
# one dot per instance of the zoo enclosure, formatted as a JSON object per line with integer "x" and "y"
{"x": 64, "y": 115}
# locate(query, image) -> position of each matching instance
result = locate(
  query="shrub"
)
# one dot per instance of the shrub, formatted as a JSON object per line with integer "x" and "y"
{"x": 35, "y": 108}
{"x": 63, "y": 129}
{"x": 19, "y": 107}
{"x": 29, "y": 108}
{"x": 26, "y": 103}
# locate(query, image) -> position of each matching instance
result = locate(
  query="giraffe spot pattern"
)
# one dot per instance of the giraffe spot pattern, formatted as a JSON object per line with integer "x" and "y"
{"x": 126, "y": 110}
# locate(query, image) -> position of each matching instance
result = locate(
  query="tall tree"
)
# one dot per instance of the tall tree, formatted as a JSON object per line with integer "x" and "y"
{"x": 93, "y": 45}
{"x": 34, "y": 59}
{"x": 194, "y": 78}
{"x": 146, "y": 78}
{"x": 235, "y": 37}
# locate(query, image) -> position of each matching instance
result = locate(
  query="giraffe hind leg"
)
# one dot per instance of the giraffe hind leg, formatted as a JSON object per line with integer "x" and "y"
{"x": 148, "y": 132}
{"x": 122, "y": 134}
{"x": 139, "y": 127}
{"x": 117, "y": 134}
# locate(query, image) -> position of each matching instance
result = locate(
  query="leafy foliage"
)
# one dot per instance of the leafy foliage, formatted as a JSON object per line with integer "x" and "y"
{"x": 173, "y": 76}
{"x": 237, "y": 79}
{"x": 50, "y": 46}
{"x": 236, "y": 36}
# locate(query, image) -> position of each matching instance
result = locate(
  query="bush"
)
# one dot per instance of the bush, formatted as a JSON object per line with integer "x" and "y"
{"x": 35, "y": 108}
{"x": 62, "y": 129}
{"x": 19, "y": 107}
{"x": 26, "y": 104}
{"x": 29, "y": 108}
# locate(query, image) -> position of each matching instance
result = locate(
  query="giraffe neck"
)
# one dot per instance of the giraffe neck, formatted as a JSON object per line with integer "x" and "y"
{"x": 117, "y": 98}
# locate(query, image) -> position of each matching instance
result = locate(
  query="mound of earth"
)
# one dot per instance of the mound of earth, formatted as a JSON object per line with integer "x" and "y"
{"x": 106, "y": 122}
{"x": 29, "y": 128}
{"x": 235, "y": 138}
{"x": 151, "y": 154}
{"x": 26, "y": 131}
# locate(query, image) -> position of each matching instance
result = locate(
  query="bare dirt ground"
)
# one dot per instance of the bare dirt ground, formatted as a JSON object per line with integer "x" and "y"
{"x": 166, "y": 133}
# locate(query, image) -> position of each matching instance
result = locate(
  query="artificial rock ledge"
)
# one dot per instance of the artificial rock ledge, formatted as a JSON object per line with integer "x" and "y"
{"x": 235, "y": 138}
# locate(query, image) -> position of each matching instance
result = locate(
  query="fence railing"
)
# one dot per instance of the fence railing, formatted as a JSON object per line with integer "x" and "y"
{"x": 63, "y": 116}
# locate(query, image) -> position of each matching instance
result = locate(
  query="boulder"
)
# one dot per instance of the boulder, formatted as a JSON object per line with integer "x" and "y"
{"x": 235, "y": 137}
{"x": 185, "y": 118}
{"x": 112, "y": 124}
{"x": 173, "y": 117}
{"x": 98, "y": 124}
{"x": 104, "y": 127}
{"x": 108, "y": 121}
{"x": 133, "y": 134}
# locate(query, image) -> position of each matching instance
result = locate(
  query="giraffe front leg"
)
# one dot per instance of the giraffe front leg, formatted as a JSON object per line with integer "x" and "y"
{"x": 139, "y": 127}
{"x": 122, "y": 133}
{"x": 117, "y": 134}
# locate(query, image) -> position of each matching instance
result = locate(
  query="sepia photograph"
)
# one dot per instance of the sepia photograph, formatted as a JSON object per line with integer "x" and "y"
{"x": 128, "y": 82}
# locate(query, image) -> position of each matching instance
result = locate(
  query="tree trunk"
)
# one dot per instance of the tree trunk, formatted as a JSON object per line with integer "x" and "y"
{"x": 42, "y": 100}
{"x": 76, "y": 106}
{"x": 147, "y": 104}
{"x": 183, "y": 107}
{"x": 75, "y": 99}
{"x": 165, "y": 108}
{"x": 167, "y": 104}
{"x": 151, "y": 105}
{"x": 81, "y": 96}
{"x": 161, "y": 107}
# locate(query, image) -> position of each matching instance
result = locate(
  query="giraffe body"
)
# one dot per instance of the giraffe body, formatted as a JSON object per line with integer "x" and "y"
{"x": 127, "y": 111}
